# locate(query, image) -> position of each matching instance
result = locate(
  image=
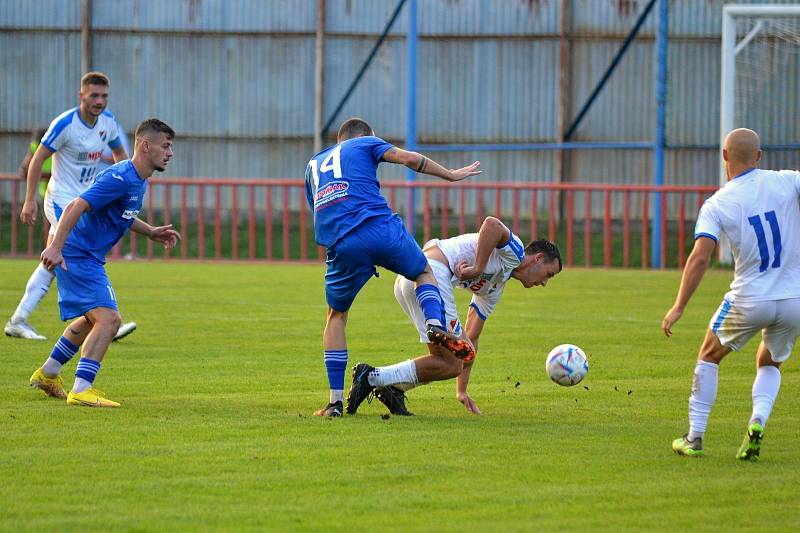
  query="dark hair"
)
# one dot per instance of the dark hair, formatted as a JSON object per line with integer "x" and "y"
{"x": 549, "y": 249}
{"x": 153, "y": 125}
{"x": 94, "y": 78}
{"x": 353, "y": 127}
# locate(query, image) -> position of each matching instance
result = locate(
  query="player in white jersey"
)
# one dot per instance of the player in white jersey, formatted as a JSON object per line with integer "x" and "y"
{"x": 75, "y": 139}
{"x": 758, "y": 211}
{"x": 481, "y": 263}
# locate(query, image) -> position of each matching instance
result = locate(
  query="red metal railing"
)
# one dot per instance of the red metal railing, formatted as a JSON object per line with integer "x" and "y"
{"x": 266, "y": 219}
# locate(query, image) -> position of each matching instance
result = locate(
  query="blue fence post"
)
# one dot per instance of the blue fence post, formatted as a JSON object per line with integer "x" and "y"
{"x": 658, "y": 150}
{"x": 411, "y": 109}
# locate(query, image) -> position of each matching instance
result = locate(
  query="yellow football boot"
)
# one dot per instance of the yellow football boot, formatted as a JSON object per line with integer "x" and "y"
{"x": 51, "y": 386}
{"x": 91, "y": 397}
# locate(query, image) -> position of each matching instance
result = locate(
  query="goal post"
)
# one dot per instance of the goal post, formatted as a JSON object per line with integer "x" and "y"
{"x": 742, "y": 24}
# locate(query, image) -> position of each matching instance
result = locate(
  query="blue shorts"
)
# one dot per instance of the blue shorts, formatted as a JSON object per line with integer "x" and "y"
{"x": 82, "y": 287}
{"x": 379, "y": 241}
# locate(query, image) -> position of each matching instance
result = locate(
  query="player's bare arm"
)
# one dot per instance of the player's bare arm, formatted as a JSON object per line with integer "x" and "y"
{"x": 693, "y": 273}
{"x": 492, "y": 234}
{"x": 119, "y": 154}
{"x": 23, "y": 166}
{"x": 473, "y": 330}
{"x": 30, "y": 208}
{"x": 51, "y": 256}
{"x": 425, "y": 165}
{"x": 163, "y": 234}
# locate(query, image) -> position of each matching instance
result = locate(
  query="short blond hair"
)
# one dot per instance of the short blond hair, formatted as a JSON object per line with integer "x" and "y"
{"x": 94, "y": 78}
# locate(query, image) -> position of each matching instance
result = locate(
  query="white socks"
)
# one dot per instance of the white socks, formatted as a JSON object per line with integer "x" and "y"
{"x": 337, "y": 396}
{"x": 51, "y": 367}
{"x": 405, "y": 372}
{"x": 765, "y": 390}
{"x": 37, "y": 287}
{"x": 704, "y": 393}
{"x": 80, "y": 385}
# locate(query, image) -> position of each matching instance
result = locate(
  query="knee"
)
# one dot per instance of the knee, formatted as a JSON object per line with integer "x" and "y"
{"x": 450, "y": 366}
{"x": 112, "y": 321}
{"x": 454, "y": 368}
{"x": 337, "y": 317}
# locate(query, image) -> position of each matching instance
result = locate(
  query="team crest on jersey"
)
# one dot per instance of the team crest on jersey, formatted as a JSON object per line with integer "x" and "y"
{"x": 130, "y": 213}
{"x": 103, "y": 135}
{"x": 330, "y": 193}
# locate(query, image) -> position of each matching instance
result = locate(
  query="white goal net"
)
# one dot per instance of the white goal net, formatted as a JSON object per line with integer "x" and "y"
{"x": 760, "y": 85}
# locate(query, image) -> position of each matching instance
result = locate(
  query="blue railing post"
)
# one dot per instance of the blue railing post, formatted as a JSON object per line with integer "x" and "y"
{"x": 658, "y": 151}
{"x": 411, "y": 109}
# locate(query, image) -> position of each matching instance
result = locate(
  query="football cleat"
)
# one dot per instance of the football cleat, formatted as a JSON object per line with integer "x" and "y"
{"x": 394, "y": 399}
{"x": 360, "y": 388}
{"x": 53, "y": 387}
{"x": 689, "y": 448}
{"x": 751, "y": 445}
{"x": 124, "y": 330}
{"x": 331, "y": 410}
{"x": 91, "y": 397}
{"x": 22, "y": 330}
{"x": 460, "y": 347}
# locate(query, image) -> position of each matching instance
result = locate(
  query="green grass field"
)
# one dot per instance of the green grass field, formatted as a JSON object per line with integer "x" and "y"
{"x": 219, "y": 382}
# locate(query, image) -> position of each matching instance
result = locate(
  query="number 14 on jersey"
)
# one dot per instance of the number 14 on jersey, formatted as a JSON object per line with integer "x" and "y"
{"x": 332, "y": 162}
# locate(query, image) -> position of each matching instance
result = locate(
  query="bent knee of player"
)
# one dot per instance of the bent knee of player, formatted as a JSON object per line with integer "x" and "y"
{"x": 712, "y": 350}
{"x": 450, "y": 366}
{"x": 335, "y": 316}
{"x": 104, "y": 318}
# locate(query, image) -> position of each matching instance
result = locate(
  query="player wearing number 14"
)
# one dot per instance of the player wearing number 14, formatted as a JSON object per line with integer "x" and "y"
{"x": 758, "y": 211}
{"x": 355, "y": 224}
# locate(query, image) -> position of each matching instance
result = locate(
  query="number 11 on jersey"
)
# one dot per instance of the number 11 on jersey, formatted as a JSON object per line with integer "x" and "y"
{"x": 763, "y": 247}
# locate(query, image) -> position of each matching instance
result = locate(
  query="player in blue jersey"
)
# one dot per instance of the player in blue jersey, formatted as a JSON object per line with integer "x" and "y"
{"x": 89, "y": 227}
{"x": 76, "y": 140}
{"x": 355, "y": 224}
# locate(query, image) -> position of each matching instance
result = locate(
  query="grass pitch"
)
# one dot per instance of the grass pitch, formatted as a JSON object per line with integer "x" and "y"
{"x": 218, "y": 384}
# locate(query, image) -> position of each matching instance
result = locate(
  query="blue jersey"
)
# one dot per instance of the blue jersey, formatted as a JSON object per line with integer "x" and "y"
{"x": 342, "y": 187}
{"x": 115, "y": 199}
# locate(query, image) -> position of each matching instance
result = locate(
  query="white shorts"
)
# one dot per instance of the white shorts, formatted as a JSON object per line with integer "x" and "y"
{"x": 52, "y": 212}
{"x": 735, "y": 323}
{"x": 404, "y": 291}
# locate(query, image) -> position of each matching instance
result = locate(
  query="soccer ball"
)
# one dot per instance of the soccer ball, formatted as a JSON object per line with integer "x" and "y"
{"x": 566, "y": 365}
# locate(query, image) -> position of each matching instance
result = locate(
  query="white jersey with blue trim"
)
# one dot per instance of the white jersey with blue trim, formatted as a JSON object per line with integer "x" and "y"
{"x": 488, "y": 287}
{"x": 759, "y": 213}
{"x": 77, "y": 148}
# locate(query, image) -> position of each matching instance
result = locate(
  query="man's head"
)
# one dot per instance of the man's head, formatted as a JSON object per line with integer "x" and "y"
{"x": 742, "y": 148}
{"x": 352, "y": 128}
{"x": 94, "y": 93}
{"x": 542, "y": 261}
{"x": 153, "y": 142}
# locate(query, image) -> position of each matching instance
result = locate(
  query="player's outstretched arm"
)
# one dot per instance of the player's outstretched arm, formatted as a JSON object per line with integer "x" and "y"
{"x": 51, "y": 256}
{"x": 30, "y": 208}
{"x": 492, "y": 234}
{"x": 163, "y": 234}
{"x": 693, "y": 273}
{"x": 472, "y": 331}
{"x": 425, "y": 165}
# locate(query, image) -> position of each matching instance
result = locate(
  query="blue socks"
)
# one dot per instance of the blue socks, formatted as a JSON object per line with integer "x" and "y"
{"x": 85, "y": 373}
{"x": 336, "y": 364}
{"x": 432, "y": 305}
{"x": 62, "y": 352}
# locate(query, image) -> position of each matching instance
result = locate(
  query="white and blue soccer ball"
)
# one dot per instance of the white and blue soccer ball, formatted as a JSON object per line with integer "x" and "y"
{"x": 567, "y": 365}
